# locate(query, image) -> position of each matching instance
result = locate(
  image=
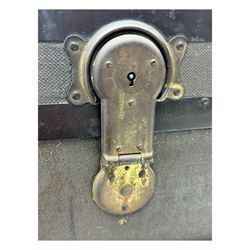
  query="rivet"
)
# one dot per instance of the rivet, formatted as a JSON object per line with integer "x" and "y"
{"x": 180, "y": 46}
{"x": 118, "y": 148}
{"x": 176, "y": 92}
{"x": 205, "y": 101}
{"x": 153, "y": 62}
{"x": 76, "y": 96}
{"x": 74, "y": 46}
{"x": 131, "y": 102}
{"x": 108, "y": 64}
{"x": 140, "y": 146}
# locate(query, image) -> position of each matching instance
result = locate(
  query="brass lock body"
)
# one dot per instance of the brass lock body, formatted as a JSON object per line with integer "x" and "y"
{"x": 127, "y": 66}
{"x": 128, "y": 73}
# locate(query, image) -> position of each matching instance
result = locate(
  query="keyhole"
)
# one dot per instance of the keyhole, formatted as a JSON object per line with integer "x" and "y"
{"x": 131, "y": 77}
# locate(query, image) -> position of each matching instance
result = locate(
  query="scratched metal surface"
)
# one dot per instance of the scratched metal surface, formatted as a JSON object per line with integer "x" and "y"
{"x": 179, "y": 210}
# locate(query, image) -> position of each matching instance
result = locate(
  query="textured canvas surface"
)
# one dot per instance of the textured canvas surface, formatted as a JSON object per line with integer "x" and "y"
{"x": 179, "y": 210}
{"x": 54, "y": 72}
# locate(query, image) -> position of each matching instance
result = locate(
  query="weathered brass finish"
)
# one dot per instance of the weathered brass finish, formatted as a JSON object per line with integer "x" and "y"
{"x": 127, "y": 66}
{"x": 81, "y": 58}
{"x": 128, "y": 73}
{"x": 128, "y": 108}
{"x": 173, "y": 88}
{"x": 123, "y": 189}
{"x": 80, "y": 92}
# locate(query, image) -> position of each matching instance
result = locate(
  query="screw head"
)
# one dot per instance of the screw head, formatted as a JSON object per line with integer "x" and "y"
{"x": 74, "y": 46}
{"x": 118, "y": 148}
{"x": 140, "y": 146}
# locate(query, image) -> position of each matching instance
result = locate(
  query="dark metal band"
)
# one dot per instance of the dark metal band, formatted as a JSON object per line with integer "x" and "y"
{"x": 56, "y": 25}
{"x": 67, "y": 121}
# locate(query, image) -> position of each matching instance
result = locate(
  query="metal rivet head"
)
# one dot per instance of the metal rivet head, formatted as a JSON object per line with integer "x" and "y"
{"x": 176, "y": 92}
{"x": 180, "y": 46}
{"x": 76, "y": 96}
{"x": 74, "y": 46}
{"x": 140, "y": 146}
{"x": 131, "y": 102}
{"x": 205, "y": 101}
{"x": 108, "y": 64}
{"x": 118, "y": 148}
{"x": 153, "y": 62}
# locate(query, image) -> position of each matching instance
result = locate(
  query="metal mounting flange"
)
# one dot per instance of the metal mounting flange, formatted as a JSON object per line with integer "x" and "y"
{"x": 81, "y": 53}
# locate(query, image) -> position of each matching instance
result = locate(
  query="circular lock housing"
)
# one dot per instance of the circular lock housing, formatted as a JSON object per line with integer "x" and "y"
{"x": 82, "y": 52}
{"x": 130, "y": 63}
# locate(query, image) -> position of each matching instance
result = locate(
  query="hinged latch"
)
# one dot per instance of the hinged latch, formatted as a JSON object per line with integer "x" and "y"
{"x": 127, "y": 67}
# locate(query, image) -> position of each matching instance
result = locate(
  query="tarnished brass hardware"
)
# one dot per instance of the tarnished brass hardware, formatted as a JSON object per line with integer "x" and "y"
{"x": 175, "y": 91}
{"x": 128, "y": 91}
{"x": 127, "y": 66}
{"x": 123, "y": 189}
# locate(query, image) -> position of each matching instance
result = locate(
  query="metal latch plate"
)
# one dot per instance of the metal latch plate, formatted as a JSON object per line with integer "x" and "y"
{"x": 127, "y": 66}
